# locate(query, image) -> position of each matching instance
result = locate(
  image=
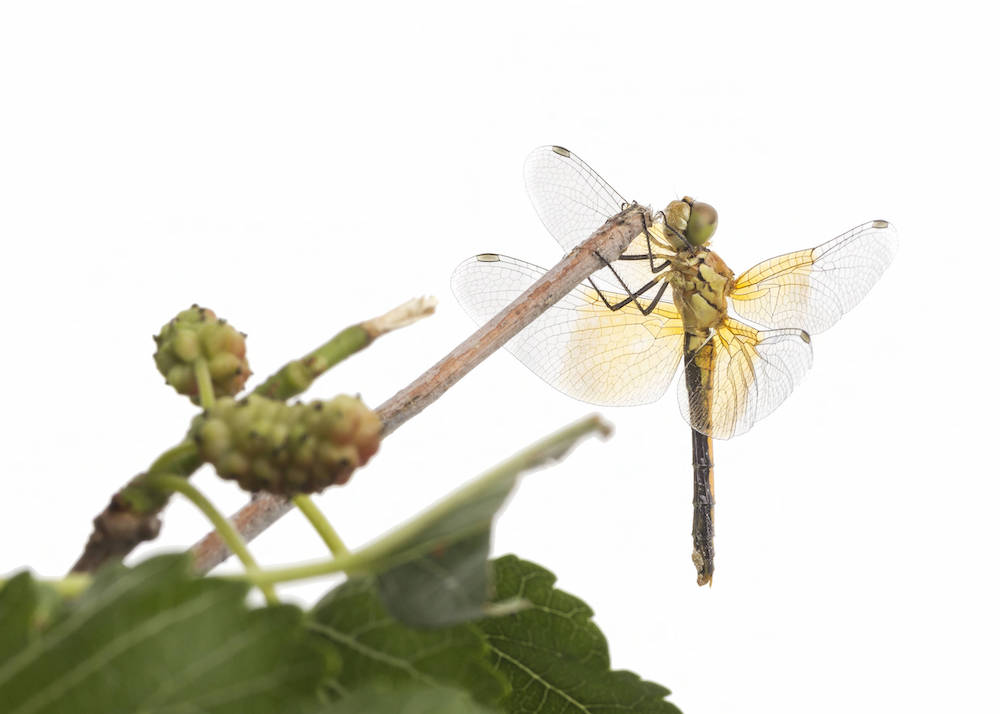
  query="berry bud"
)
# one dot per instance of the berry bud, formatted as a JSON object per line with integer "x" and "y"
{"x": 197, "y": 333}
{"x": 266, "y": 445}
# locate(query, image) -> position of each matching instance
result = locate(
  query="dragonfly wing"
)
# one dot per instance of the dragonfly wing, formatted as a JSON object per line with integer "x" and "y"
{"x": 573, "y": 201}
{"x": 745, "y": 374}
{"x": 579, "y": 346}
{"x": 812, "y": 289}
{"x": 569, "y": 196}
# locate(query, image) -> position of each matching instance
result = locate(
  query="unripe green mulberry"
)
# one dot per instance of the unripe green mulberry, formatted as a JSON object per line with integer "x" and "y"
{"x": 195, "y": 333}
{"x": 268, "y": 445}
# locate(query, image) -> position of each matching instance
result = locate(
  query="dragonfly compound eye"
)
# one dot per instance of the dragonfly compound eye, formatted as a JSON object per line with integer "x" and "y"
{"x": 701, "y": 225}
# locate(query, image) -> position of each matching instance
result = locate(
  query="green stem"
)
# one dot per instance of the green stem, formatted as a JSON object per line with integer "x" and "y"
{"x": 296, "y": 376}
{"x": 182, "y": 459}
{"x": 551, "y": 448}
{"x": 72, "y": 585}
{"x": 69, "y": 587}
{"x": 321, "y": 524}
{"x": 206, "y": 392}
{"x": 142, "y": 496}
{"x": 226, "y": 530}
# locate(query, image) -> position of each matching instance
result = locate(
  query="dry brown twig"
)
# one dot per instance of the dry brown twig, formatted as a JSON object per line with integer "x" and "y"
{"x": 606, "y": 244}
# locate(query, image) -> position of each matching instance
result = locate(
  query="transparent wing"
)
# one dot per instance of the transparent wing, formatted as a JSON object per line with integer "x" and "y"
{"x": 812, "y": 289}
{"x": 578, "y": 345}
{"x": 573, "y": 201}
{"x": 569, "y": 197}
{"x": 744, "y": 375}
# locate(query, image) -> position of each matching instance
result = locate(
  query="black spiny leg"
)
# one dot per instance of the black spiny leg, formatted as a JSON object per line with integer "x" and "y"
{"x": 632, "y": 297}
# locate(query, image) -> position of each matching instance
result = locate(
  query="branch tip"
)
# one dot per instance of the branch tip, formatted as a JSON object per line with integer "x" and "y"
{"x": 406, "y": 314}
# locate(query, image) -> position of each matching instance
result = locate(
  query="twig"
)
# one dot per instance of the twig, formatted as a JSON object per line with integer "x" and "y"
{"x": 132, "y": 516}
{"x": 608, "y": 241}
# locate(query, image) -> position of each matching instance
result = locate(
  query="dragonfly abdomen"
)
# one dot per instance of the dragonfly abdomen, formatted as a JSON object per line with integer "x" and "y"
{"x": 698, "y": 363}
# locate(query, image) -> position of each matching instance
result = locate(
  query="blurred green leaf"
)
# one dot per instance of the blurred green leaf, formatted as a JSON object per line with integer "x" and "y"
{"x": 432, "y": 571}
{"x": 19, "y": 601}
{"x": 383, "y": 699}
{"x": 445, "y": 587}
{"x": 373, "y": 647}
{"x": 155, "y": 639}
{"x": 553, "y": 654}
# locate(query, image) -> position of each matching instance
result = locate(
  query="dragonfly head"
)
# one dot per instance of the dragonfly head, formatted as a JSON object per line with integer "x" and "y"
{"x": 695, "y": 220}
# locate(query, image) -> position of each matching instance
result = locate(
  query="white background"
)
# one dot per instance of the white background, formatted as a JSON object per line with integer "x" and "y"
{"x": 301, "y": 167}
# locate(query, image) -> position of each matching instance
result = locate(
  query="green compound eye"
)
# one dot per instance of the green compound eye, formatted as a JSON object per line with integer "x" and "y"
{"x": 702, "y": 223}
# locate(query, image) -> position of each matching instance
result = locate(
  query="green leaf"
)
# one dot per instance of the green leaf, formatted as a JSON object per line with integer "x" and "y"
{"x": 155, "y": 639}
{"x": 432, "y": 571}
{"x": 374, "y": 647}
{"x": 383, "y": 699}
{"x": 553, "y": 654}
{"x": 442, "y": 588}
{"x": 19, "y": 601}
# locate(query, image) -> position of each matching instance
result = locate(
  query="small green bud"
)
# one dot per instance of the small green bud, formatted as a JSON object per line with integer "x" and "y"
{"x": 186, "y": 344}
{"x": 224, "y": 366}
{"x": 181, "y": 378}
{"x": 215, "y": 438}
{"x": 235, "y": 464}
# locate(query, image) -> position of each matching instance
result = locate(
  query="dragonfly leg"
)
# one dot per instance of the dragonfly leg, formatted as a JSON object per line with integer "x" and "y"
{"x": 649, "y": 244}
{"x": 632, "y": 296}
{"x": 651, "y": 254}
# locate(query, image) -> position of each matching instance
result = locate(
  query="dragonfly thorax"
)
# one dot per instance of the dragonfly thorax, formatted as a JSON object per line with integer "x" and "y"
{"x": 701, "y": 281}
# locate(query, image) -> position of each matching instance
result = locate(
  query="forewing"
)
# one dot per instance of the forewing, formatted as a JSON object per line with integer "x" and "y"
{"x": 579, "y": 346}
{"x": 573, "y": 201}
{"x": 812, "y": 289}
{"x": 751, "y": 373}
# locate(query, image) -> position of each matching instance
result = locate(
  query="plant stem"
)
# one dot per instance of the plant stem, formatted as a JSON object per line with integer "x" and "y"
{"x": 606, "y": 244}
{"x": 232, "y": 538}
{"x": 70, "y": 586}
{"x": 321, "y": 524}
{"x": 296, "y": 376}
{"x": 180, "y": 459}
{"x": 549, "y": 449}
{"x": 206, "y": 392}
{"x": 132, "y": 515}
{"x": 142, "y": 496}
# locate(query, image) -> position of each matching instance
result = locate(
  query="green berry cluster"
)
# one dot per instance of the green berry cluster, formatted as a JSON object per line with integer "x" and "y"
{"x": 198, "y": 333}
{"x": 267, "y": 445}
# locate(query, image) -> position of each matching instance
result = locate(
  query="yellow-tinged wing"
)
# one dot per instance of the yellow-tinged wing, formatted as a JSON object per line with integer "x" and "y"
{"x": 812, "y": 289}
{"x": 744, "y": 375}
{"x": 578, "y": 345}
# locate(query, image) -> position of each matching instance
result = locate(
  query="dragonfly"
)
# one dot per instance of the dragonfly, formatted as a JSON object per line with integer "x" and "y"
{"x": 669, "y": 300}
